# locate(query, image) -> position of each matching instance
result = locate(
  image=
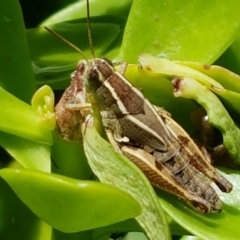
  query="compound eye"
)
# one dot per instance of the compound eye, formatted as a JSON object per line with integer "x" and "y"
{"x": 108, "y": 61}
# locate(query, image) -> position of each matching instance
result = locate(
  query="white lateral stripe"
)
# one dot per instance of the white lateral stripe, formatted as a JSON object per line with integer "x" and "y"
{"x": 101, "y": 77}
{"x": 145, "y": 127}
{"x": 157, "y": 115}
{"x": 149, "y": 160}
{"x": 115, "y": 96}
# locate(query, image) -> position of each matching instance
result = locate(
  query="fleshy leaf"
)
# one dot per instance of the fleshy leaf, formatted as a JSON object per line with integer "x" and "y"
{"x": 190, "y": 238}
{"x": 218, "y": 116}
{"x": 61, "y": 153}
{"x": 70, "y": 205}
{"x": 130, "y": 225}
{"x": 54, "y": 65}
{"x": 229, "y": 80}
{"x": 226, "y": 78}
{"x": 16, "y": 75}
{"x": 214, "y": 226}
{"x": 230, "y": 59}
{"x": 29, "y": 154}
{"x": 180, "y": 30}
{"x": 11, "y": 207}
{"x": 20, "y": 119}
{"x": 153, "y": 66}
{"x": 78, "y": 10}
{"x": 117, "y": 170}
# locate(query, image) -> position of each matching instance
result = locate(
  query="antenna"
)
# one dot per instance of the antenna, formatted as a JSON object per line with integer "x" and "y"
{"x": 66, "y": 41}
{"x": 89, "y": 30}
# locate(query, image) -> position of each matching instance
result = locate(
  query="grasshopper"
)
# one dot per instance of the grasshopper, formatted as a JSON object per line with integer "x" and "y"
{"x": 147, "y": 135}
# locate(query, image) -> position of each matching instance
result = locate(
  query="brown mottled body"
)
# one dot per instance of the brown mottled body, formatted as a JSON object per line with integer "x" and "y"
{"x": 69, "y": 116}
{"x": 147, "y": 135}
{"x": 151, "y": 139}
{"x": 196, "y": 157}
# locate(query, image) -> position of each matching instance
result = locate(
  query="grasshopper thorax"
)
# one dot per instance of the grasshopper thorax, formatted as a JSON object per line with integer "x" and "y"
{"x": 95, "y": 72}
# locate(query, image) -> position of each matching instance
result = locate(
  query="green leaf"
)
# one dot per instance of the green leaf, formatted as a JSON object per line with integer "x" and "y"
{"x": 190, "y": 238}
{"x": 218, "y": 116}
{"x": 54, "y": 65}
{"x": 153, "y": 67}
{"x": 58, "y": 235}
{"x": 61, "y": 152}
{"x": 104, "y": 29}
{"x": 117, "y": 170}
{"x": 129, "y": 225}
{"x": 230, "y": 59}
{"x": 70, "y": 205}
{"x": 223, "y": 76}
{"x": 25, "y": 134}
{"x": 16, "y": 74}
{"x": 230, "y": 81}
{"x": 15, "y": 216}
{"x": 20, "y": 119}
{"x": 97, "y": 8}
{"x": 214, "y": 226}
{"x": 182, "y": 30}
{"x": 135, "y": 236}
{"x": 29, "y": 154}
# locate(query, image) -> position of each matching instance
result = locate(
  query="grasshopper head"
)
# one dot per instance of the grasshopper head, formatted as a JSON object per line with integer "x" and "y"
{"x": 95, "y": 72}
